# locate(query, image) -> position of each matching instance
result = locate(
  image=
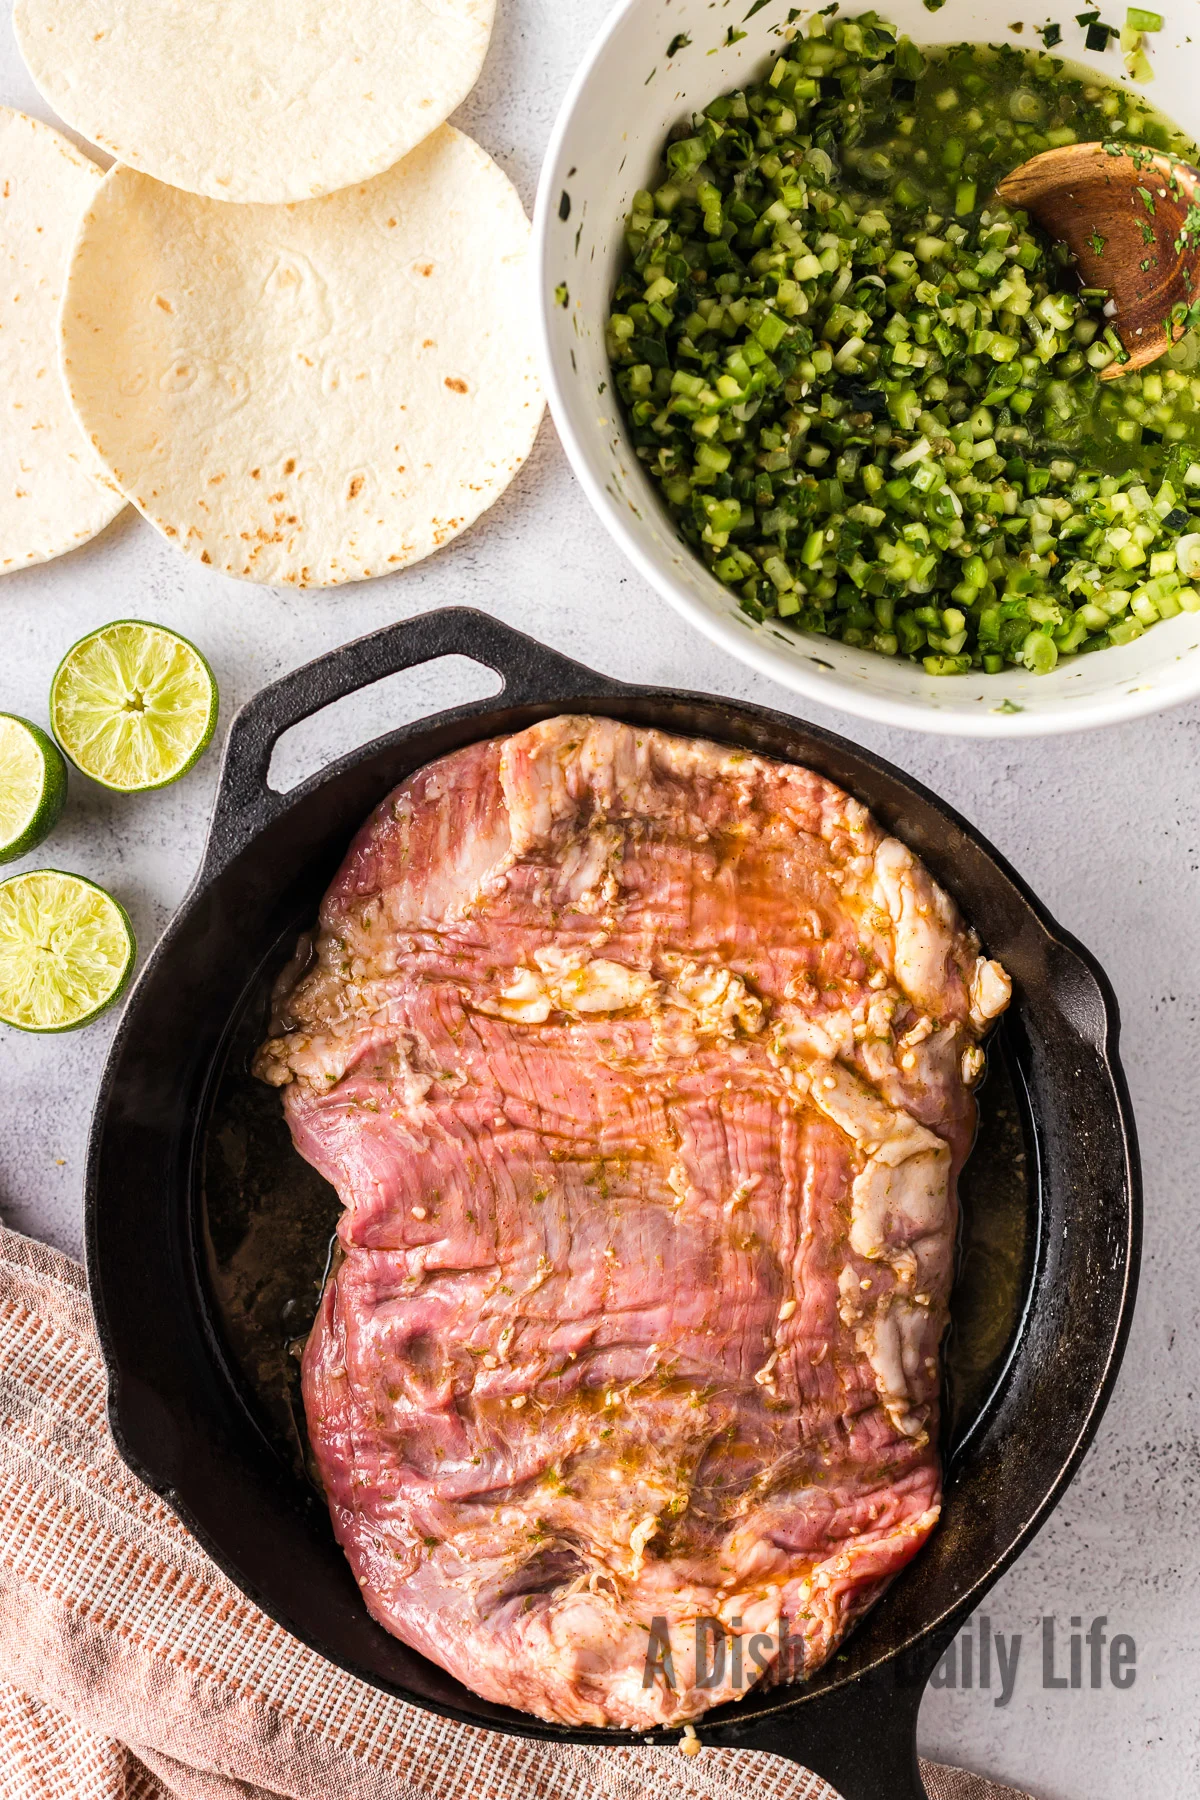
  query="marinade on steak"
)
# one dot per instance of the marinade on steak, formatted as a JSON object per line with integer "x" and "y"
{"x": 643, "y": 1069}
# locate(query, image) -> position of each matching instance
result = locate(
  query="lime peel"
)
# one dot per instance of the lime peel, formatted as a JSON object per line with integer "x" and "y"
{"x": 133, "y": 705}
{"x": 67, "y": 950}
{"x": 33, "y": 786}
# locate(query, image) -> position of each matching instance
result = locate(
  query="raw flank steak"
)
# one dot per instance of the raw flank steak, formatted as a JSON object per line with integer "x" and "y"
{"x": 644, "y": 1069}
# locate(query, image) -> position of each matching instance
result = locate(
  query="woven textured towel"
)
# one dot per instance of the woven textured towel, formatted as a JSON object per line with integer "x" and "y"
{"x": 133, "y": 1670}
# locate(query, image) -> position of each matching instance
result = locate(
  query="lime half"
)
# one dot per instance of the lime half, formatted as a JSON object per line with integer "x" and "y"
{"x": 133, "y": 705}
{"x": 66, "y": 950}
{"x": 33, "y": 786}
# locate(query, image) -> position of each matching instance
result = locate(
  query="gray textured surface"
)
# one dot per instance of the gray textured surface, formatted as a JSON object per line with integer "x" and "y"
{"x": 1105, "y": 827}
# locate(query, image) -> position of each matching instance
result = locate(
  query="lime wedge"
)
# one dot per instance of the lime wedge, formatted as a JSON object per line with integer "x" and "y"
{"x": 66, "y": 951}
{"x": 33, "y": 786}
{"x": 133, "y": 705}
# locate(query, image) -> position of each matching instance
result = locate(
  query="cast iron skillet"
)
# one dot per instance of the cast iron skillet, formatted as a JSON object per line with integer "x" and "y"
{"x": 182, "y": 1417}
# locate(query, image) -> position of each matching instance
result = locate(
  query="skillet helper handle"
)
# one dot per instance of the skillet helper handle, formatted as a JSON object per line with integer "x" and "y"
{"x": 530, "y": 672}
{"x": 861, "y": 1738}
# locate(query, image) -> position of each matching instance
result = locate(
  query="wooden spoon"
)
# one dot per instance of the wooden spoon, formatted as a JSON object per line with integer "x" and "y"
{"x": 1131, "y": 220}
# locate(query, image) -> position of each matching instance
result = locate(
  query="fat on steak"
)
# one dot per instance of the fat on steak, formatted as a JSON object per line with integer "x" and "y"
{"x": 643, "y": 1068}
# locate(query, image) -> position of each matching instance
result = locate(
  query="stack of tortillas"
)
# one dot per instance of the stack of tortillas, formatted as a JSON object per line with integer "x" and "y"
{"x": 295, "y": 319}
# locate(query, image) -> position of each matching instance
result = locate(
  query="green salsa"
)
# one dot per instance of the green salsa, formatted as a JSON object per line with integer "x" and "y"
{"x": 870, "y": 395}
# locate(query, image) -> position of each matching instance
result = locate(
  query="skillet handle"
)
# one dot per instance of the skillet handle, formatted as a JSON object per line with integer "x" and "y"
{"x": 860, "y": 1738}
{"x": 530, "y": 671}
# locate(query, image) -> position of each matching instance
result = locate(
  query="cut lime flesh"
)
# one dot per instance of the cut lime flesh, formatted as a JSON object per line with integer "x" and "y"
{"x": 133, "y": 705}
{"x": 66, "y": 950}
{"x": 33, "y": 786}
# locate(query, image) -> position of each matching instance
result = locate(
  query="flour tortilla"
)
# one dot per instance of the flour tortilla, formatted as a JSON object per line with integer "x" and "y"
{"x": 309, "y": 394}
{"x": 54, "y": 493}
{"x": 255, "y": 100}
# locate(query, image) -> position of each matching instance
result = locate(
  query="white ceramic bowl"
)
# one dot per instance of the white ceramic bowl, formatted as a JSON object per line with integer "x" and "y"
{"x": 609, "y": 135}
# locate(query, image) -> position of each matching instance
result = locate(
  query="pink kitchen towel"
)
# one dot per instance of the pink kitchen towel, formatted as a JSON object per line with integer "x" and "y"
{"x": 132, "y": 1669}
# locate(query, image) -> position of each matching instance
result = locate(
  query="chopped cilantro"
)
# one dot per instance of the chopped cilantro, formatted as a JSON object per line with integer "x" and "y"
{"x": 1184, "y": 317}
{"x": 1190, "y": 230}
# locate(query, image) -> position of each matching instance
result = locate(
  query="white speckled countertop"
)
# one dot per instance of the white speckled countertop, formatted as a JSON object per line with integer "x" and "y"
{"x": 1106, "y": 828}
